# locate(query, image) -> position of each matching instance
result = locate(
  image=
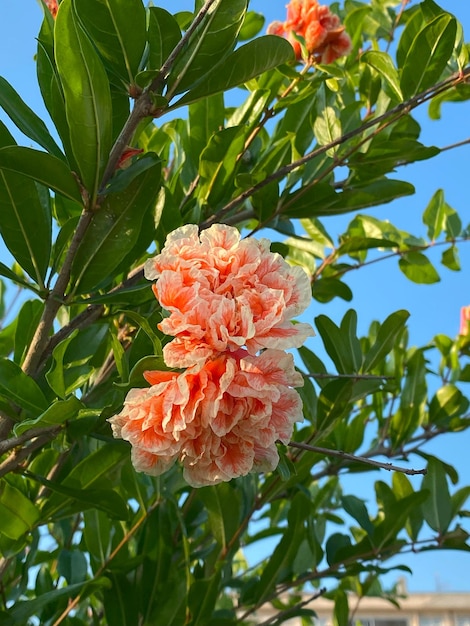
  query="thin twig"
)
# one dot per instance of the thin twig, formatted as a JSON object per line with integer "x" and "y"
{"x": 359, "y": 459}
{"x": 403, "y": 109}
{"x": 323, "y": 375}
{"x": 73, "y": 603}
{"x": 32, "y": 433}
{"x": 144, "y": 107}
{"x": 20, "y": 454}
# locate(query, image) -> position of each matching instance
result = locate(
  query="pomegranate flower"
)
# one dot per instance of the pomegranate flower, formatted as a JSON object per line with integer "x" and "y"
{"x": 324, "y": 35}
{"x": 220, "y": 419}
{"x": 53, "y": 7}
{"x": 223, "y": 293}
{"x": 465, "y": 321}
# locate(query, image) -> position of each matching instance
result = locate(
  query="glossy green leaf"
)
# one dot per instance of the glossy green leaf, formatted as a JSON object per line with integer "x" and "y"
{"x": 26, "y": 120}
{"x": 223, "y": 507}
{"x": 434, "y": 215}
{"x": 418, "y": 268}
{"x": 23, "y": 610}
{"x": 25, "y": 221}
{"x": 18, "y": 514}
{"x": 327, "y": 123}
{"x": 163, "y": 35}
{"x": 402, "y": 488}
{"x": 450, "y": 258}
{"x": 321, "y": 200}
{"x": 341, "y": 611}
{"x": 86, "y": 481}
{"x": 286, "y": 549}
{"x": 118, "y": 29}
{"x": 212, "y": 40}
{"x": 356, "y": 508}
{"x": 41, "y": 167}
{"x": 252, "y": 25}
{"x": 341, "y": 343}
{"x": 386, "y": 337}
{"x": 333, "y": 403}
{"x": 428, "y": 55}
{"x": 412, "y": 410}
{"x": 27, "y": 322}
{"x": 58, "y": 413}
{"x": 447, "y": 402}
{"x": 87, "y": 96}
{"x": 382, "y": 62}
{"x": 20, "y": 389}
{"x": 51, "y": 86}
{"x": 248, "y": 61}
{"x": 437, "y": 509}
{"x": 115, "y": 228}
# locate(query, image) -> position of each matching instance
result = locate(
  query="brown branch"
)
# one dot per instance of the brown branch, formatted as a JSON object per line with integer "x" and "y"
{"x": 20, "y": 454}
{"x": 359, "y": 459}
{"x": 144, "y": 107}
{"x": 54, "y": 299}
{"x": 14, "y": 442}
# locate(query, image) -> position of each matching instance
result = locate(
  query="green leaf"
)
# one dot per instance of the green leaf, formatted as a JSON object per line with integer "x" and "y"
{"x": 325, "y": 289}
{"x": 447, "y": 402}
{"x": 341, "y": 343}
{"x": 386, "y": 336}
{"x": 42, "y": 167}
{"x": 212, "y": 40}
{"x": 248, "y": 61}
{"x": 115, "y": 228}
{"x": 58, "y": 413}
{"x": 25, "y": 221}
{"x": 86, "y": 480}
{"x": 20, "y": 389}
{"x": 327, "y": 125}
{"x": 382, "y": 62}
{"x": 418, "y": 268}
{"x": 321, "y": 199}
{"x": 163, "y": 35}
{"x": 286, "y": 550}
{"x": 18, "y": 515}
{"x": 428, "y": 55}
{"x": 223, "y": 507}
{"x": 357, "y": 510}
{"x": 437, "y": 509}
{"x": 450, "y": 259}
{"x": 23, "y": 610}
{"x": 26, "y": 120}
{"x": 402, "y": 488}
{"x": 341, "y": 611}
{"x": 87, "y": 96}
{"x": 118, "y": 30}
{"x": 434, "y": 215}
{"x": 252, "y": 25}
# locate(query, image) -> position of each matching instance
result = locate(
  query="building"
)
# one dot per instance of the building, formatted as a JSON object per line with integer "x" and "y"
{"x": 416, "y": 609}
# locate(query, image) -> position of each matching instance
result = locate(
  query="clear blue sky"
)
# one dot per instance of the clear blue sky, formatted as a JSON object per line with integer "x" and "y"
{"x": 379, "y": 289}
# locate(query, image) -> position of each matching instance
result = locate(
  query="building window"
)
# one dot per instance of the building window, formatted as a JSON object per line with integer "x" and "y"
{"x": 380, "y": 621}
{"x": 431, "y": 621}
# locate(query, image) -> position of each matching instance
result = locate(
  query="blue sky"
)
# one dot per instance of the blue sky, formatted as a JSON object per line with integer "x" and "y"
{"x": 378, "y": 289}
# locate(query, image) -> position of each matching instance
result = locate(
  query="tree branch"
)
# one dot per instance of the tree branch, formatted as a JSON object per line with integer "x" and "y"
{"x": 401, "y": 109}
{"x": 359, "y": 459}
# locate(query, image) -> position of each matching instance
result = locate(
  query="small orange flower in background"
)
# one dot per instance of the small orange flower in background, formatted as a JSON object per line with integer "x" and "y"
{"x": 465, "y": 321}
{"x": 53, "y": 6}
{"x": 230, "y": 304}
{"x": 324, "y": 35}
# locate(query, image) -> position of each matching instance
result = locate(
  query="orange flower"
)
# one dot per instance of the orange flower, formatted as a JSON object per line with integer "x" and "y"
{"x": 220, "y": 419}
{"x": 53, "y": 6}
{"x": 223, "y": 293}
{"x": 324, "y": 35}
{"x": 465, "y": 321}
